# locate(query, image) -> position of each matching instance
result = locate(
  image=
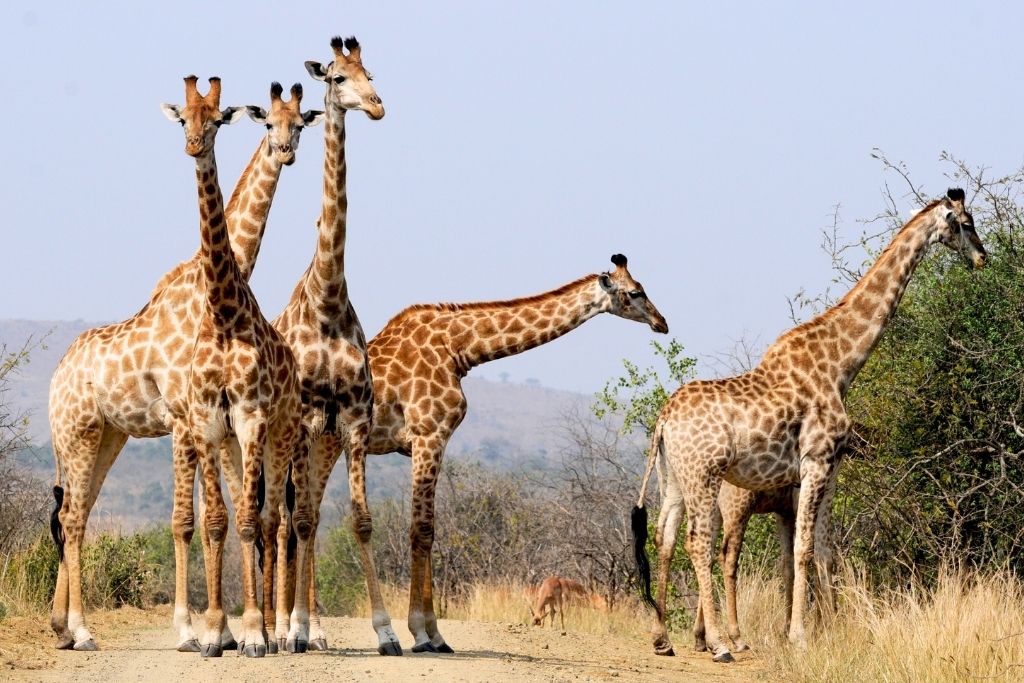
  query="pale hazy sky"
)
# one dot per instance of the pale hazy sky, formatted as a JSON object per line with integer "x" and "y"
{"x": 524, "y": 143}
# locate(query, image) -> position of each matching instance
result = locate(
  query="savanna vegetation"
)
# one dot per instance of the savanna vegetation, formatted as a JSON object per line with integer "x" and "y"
{"x": 928, "y": 515}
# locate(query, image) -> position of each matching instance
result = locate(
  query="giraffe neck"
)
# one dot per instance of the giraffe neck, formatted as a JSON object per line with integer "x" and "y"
{"x": 849, "y": 331}
{"x": 488, "y": 331}
{"x": 250, "y": 204}
{"x": 325, "y": 285}
{"x": 219, "y": 268}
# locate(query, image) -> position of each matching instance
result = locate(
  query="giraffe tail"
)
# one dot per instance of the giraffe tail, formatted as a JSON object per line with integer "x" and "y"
{"x": 638, "y": 524}
{"x": 56, "y": 528}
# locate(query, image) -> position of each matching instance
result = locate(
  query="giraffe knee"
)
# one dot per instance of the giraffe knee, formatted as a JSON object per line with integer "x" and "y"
{"x": 422, "y": 536}
{"x": 362, "y": 525}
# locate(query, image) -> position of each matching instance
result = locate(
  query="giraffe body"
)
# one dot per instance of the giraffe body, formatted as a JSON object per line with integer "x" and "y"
{"x": 783, "y": 423}
{"x": 418, "y": 361}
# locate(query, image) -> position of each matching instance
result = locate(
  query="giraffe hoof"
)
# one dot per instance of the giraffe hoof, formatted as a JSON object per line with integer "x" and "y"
{"x": 724, "y": 658}
{"x": 318, "y": 645}
{"x": 700, "y": 646}
{"x": 66, "y": 643}
{"x": 211, "y": 650}
{"x": 424, "y": 647}
{"x": 389, "y": 649}
{"x": 189, "y": 646}
{"x": 741, "y": 646}
{"x": 252, "y": 650}
{"x": 665, "y": 651}
{"x": 230, "y": 644}
{"x": 445, "y": 648}
{"x": 272, "y": 647}
{"x": 87, "y": 646}
{"x": 297, "y": 647}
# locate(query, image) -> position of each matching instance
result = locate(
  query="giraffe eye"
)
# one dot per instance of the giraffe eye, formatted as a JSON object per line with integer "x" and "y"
{"x": 338, "y": 80}
{"x": 269, "y": 126}
{"x": 636, "y": 294}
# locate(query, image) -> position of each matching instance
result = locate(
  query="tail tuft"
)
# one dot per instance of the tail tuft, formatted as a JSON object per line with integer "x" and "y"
{"x": 56, "y": 530}
{"x": 638, "y": 522}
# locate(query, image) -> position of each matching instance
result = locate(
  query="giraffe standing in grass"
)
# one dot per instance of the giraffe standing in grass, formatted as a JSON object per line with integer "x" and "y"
{"x": 418, "y": 362}
{"x": 128, "y": 379}
{"x": 783, "y": 423}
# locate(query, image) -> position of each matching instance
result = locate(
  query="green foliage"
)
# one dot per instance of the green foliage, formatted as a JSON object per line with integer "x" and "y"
{"x": 339, "y": 572}
{"x": 116, "y": 571}
{"x": 639, "y": 395}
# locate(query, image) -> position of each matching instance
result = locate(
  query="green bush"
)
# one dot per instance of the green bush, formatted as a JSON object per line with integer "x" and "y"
{"x": 339, "y": 573}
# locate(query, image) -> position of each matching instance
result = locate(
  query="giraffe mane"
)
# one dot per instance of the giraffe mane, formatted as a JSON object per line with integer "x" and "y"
{"x": 509, "y": 303}
{"x": 844, "y": 301}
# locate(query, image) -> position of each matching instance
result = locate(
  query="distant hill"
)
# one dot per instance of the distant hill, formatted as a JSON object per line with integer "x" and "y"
{"x": 509, "y": 426}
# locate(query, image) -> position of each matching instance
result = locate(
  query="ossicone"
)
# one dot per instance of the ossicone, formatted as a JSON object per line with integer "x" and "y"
{"x": 956, "y": 194}
{"x": 619, "y": 260}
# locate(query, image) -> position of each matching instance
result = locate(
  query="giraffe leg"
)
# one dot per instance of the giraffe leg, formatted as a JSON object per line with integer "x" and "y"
{"x": 362, "y": 526}
{"x": 669, "y": 519}
{"x": 213, "y": 520}
{"x": 294, "y": 447}
{"x": 182, "y": 528}
{"x": 786, "y": 527}
{"x": 824, "y": 559}
{"x": 426, "y": 455}
{"x": 814, "y": 480}
{"x": 701, "y": 504}
{"x": 231, "y": 468}
{"x": 252, "y": 434}
{"x": 323, "y": 454}
{"x": 283, "y": 573}
{"x": 83, "y": 495}
{"x": 732, "y": 543}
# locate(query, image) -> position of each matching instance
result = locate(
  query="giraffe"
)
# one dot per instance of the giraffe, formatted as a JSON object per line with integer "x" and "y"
{"x": 783, "y": 423}
{"x": 246, "y": 215}
{"x": 127, "y": 379}
{"x": 241, "y": 391}
{"x": 323, "y": 330}
{"x": 418, "y": 361}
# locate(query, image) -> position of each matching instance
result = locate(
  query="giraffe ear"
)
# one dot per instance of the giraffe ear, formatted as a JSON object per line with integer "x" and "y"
{"x": 316, "y": 70}
{"x": 230, "y": 115}
{"x": 312, "y": 117}
{"x": 257, "y": 114}
{"x": 171, "y": 111}
{"x": 605, "y": 281}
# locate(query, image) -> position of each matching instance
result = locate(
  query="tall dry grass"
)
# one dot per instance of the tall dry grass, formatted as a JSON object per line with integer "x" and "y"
{"x": 969, "y": 627}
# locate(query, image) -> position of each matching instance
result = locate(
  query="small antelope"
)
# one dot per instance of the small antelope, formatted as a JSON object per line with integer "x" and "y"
{"x": 549, "y": 595}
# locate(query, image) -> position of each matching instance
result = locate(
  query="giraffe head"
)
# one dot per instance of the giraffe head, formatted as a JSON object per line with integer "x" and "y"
{"x": 348, "y": 83}
{"x": 284, "y": 122}
{"x": 201, "y": 116}
{"x": 956, "y": 227}
{"x": 627, "y": 297}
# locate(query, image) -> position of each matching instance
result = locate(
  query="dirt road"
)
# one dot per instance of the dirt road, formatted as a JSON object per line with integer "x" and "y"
{"x": 138, "y": 646}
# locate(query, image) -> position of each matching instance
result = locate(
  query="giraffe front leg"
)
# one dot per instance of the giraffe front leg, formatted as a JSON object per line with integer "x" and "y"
{"x": 362, "y": 526}
{"x": 252, "y": 441}
{"x": 213, "y": 522}
{"x": 295, "y": 450}
{"x": 735, "y": 520}
{"x": 814, "y": 480}
{"x": 182, "y": 528}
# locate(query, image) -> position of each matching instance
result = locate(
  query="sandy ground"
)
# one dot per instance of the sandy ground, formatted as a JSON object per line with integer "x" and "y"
{"x": 139, "y": 646}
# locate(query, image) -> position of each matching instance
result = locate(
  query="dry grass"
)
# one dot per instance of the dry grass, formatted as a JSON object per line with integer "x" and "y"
{"x": 970, "y": 627}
